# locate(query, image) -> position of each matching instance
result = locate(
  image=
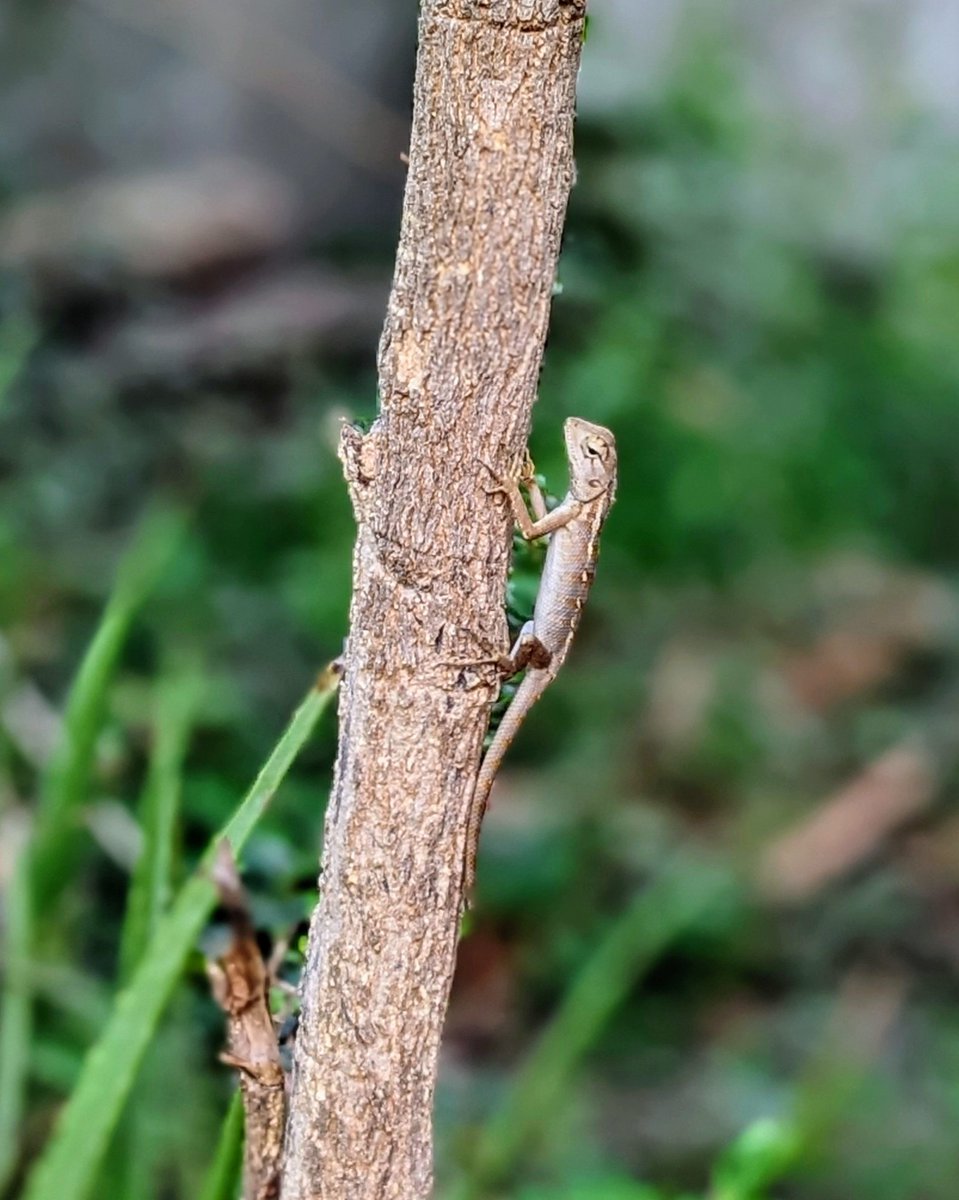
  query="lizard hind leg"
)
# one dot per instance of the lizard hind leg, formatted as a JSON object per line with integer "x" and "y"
{"x": 527, "y": 651}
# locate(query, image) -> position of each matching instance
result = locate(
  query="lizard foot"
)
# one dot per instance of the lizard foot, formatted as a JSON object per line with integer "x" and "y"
{"x": 523, "y": 473}
{"x": 529, "y": 651}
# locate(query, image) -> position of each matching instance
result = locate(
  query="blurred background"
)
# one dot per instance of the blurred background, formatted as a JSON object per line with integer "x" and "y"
{"x": 716, "y": 946}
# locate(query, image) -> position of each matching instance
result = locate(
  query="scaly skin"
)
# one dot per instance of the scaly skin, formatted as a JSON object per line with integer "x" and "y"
{"x": 574, "y": 528}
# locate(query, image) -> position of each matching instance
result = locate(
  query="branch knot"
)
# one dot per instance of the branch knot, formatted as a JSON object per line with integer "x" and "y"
{"x": 357, "y": 452}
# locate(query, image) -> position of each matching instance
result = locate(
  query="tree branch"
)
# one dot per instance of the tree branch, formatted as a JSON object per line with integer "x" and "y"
{"x": 241, "y": 986}
{"x": 490, "y": 171}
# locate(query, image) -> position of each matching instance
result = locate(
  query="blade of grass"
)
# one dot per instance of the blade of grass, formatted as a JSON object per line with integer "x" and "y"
{"x": 676, "y": 901}
{"x": 223, "y": 1180}
{"x": 151, "y": 886}
{"x": 66, "y": 783}
{"x": 66, "y": 1170}
{"x": 16, "y": 1016}
{"x": 761, "y": 1156}
{"x": 152, "y": 882}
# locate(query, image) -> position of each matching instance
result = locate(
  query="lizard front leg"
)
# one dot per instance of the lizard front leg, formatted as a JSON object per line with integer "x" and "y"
{"x": 544, "y": 522}
{"x": 549, "y": 523}
{"x": 536, "y": 498}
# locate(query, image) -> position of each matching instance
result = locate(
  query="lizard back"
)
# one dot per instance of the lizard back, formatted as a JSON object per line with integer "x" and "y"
{"x": 568, "y": 574}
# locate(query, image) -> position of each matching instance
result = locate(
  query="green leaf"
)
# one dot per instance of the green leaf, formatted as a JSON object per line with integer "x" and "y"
{"x": 16, "y": 1017}
{"x": 151, "y": 885}
{"x": 223, "y": 1179}
{"x": 66, "y": 1170}
{"x": 66, "y": 785}
{"x": 759, "y": 1157}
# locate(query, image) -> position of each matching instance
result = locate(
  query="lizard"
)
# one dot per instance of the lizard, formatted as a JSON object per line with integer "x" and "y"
{"x": 574, "y": 527}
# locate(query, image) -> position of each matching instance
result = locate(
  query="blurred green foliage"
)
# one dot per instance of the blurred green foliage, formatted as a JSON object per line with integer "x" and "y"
{"x": 634, "y": 1018}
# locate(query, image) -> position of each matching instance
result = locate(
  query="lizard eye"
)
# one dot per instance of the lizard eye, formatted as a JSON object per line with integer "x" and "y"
{"x": 592, "y": 448}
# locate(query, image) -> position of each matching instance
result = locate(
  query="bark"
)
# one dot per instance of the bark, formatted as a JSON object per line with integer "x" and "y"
{"x": 489, "y": 176}
{"x": 241, "y": 986}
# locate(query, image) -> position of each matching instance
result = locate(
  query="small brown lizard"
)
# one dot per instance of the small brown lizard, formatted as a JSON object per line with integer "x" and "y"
{"x": 544, "y": 642}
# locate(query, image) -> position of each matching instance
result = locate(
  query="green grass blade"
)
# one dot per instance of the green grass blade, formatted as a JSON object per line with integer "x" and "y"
{"x": 66, "y": 784}
{"x": 761, "y": 1156}
{"x": 16, "y": 1016}
{"x": 151, "y": 884}
{"x": 223, "y": 1180}
{"x": 67, "y": 1168}
{"x": 238, "y": 829}
{"x": 660, "y": 914}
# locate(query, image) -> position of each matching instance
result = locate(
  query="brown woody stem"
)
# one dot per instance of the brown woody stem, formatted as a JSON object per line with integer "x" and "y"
{"x": 489, "y": 176}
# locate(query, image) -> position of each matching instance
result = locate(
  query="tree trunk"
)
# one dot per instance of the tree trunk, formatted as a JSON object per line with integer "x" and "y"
{"x": 489, "y": 176}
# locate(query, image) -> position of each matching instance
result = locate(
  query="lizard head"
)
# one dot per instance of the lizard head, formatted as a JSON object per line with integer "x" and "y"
{"x": 591, "y": 450}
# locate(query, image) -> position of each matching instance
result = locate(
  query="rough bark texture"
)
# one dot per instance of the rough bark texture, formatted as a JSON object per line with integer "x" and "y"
{"x": 489, "y": 176}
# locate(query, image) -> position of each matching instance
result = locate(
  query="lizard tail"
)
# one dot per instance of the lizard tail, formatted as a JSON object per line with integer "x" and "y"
{"x": 528, "y": 692}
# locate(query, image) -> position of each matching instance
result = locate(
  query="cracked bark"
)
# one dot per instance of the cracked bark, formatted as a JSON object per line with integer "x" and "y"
{"x": 489, "y": 176}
